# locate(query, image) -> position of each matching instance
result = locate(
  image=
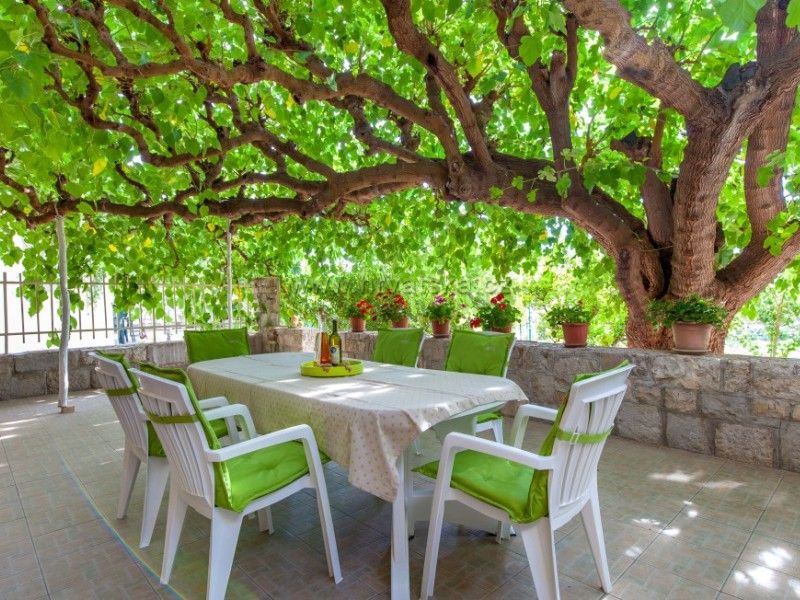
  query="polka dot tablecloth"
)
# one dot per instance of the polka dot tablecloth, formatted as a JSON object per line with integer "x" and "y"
{"x": 364, "y": 422}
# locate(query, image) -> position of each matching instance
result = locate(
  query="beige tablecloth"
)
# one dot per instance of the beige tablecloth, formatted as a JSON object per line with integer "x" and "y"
{"x": 364, "y": 422}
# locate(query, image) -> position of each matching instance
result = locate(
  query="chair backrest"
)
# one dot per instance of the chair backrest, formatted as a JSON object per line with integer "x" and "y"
{"x": 216, "y": 343}
{"x": 124, "y": 399}
{"x": 179, "y": 427}
{"x": 398, "y": 346}
{"x": 479, "y": 352}
{"x": 586, "y": 421}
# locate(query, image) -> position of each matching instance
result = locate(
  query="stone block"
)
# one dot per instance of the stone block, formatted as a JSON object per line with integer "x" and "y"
{"x": 689, "y": 432}
{"x": 24, "y": 385}
{"x": 434, "y": 353}
{"x": 44, "y": 360}
{"x": 167, "y": 353}
{"x": 755, "y": 445}
{"x": 543, "y": 390}
{"x": 790, "y": 446}
{"x": 359, "y": 345}
{"x": 680, "y": 400}
{"x": 640, "y": 422}
{"x": 287, "y": 339}
{"x": 736, "y": 375}
{"x": 771, "y": 407}
{"x": 690, "y": 372}
{"x": 256, "y": 343}
{"x": 645, "y": 392}
{"x": 80, "y": 378}
{"x": 6, "y": 366}
{"x": 731, "y": 407}
{"x": 777, "y": 379}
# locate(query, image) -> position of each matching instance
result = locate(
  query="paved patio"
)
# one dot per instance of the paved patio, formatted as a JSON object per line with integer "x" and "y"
{"x": 678, "y": 525}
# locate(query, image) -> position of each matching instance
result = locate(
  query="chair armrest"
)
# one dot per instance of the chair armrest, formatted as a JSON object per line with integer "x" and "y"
{"x": 233, "y": 410}
{"x": 298, "y": 432}
{"x": 214, "y": 402}
{"x": 456, "y": 442}
{"x": 525, "y": 412}
{"x": 537, "y": 412}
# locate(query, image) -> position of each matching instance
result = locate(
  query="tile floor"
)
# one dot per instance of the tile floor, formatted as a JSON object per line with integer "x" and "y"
{"x": 678, "y": 526}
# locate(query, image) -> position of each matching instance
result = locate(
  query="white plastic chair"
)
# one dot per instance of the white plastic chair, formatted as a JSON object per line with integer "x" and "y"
{"x": 193, "y": 480}
{"x": 127, "y": 406}
{"x": 587, "y": 420}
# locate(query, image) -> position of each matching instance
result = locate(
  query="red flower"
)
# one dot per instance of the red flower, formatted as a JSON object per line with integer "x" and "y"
{"x": 476, "y": 322}
{"x": 503, "y": 306}
{"x": 500, "y": 297}
{"x": 493, "y": 300}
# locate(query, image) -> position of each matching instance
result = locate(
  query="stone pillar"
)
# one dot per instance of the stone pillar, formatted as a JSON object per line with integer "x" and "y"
{"x": 267, "y": 294}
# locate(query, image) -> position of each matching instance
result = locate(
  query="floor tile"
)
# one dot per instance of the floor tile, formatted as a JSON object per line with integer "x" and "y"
{"x": 750, "y": 581}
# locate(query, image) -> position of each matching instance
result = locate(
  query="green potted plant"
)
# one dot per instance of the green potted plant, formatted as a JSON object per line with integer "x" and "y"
{"x": 440, "y": 311}
{"x": 574, "y": 321}
{"x": 358, "y": 313}
{"x": 498, "y": 315}
{"x": 691, "y": 318}
{"x": 392, "y": 307}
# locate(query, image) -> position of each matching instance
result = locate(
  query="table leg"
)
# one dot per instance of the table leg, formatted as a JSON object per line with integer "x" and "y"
{"x": 401, "y": 576}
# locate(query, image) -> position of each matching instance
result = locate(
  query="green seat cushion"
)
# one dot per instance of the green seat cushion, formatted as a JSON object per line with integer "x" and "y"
{"x": 398, "y": 346}
{"x": 496, "y": 481}
{"x": 479, "y": 353}
{"x": 519, "y": 490}
{"x": 216, "y": 343}
{"x": 489, "y": 416}
{"x": 256, "y": 474}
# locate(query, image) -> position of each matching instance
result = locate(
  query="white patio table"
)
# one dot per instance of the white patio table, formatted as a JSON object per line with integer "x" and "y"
{"x": 366, "y": 423}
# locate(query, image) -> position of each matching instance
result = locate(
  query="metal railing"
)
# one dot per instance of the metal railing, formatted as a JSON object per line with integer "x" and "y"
{"x": 184, "y": 305}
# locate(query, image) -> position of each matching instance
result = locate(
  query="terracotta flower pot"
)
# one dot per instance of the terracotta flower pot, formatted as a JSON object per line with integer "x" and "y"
{"x": 575, "y": 334}
{"x": 441, "y": 328}
{"x": 401, "y": 324}
{"x": 357, "y": 324}
{"x": 691, "y": 337}
{"x": 506, "y": 329}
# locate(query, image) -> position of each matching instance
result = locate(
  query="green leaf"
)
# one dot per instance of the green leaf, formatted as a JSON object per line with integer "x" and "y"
{"x": 739, "y": 15}
{"x": 562, "y": 185}
{"x": 531, "y": 196}
{"x": 495, "y": 192}
{"x": 556, "y": 19}
{"x": 530, "y": 49}
{"x": 517, "y": 182}
{"x": 763, "y": 176}
{"x": 793, "y": 14}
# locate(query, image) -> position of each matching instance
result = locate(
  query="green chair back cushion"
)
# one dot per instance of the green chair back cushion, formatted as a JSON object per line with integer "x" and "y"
{"x": 398, "y": 346}
{"x": 216, "y": 343}
{"x": 514, "y": 488}
{"x": 240, "y": 480}
{"x": 154, "y": 447}
{"x": 479, "y": 353}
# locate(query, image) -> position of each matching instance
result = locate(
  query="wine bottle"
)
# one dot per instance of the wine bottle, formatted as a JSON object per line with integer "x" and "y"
{"x": 324, "y": 350}
{"x": 335, "y": 345}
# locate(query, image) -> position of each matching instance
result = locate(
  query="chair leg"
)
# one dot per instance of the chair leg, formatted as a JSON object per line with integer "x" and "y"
{"x": 497, "y": 430}
{"x": 417, "y": 449}
{"x": 432, "y": 546}
{"x": 326, "y": 523}
{"x": 225, "y": 526}
{"x": 130, "y": 468}
{"x": 176, "y": 513}
{"x": 265, "y": 520}
{"x": 541, "y": 551}
{"x": 593, "y": 525}
{"x": 155, "y": 484}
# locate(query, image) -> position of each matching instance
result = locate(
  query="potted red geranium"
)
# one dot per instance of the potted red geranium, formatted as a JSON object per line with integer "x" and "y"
{"x": 358, "y": 313}
{"x": 392, "y": 307}
{"x": 499, "y": 315}
{"x": 440, "y": 311}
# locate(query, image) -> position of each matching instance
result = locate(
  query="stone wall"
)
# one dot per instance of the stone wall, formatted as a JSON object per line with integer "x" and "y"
{"x": 36, "y": 373}
{"x": 739, "y": 407}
